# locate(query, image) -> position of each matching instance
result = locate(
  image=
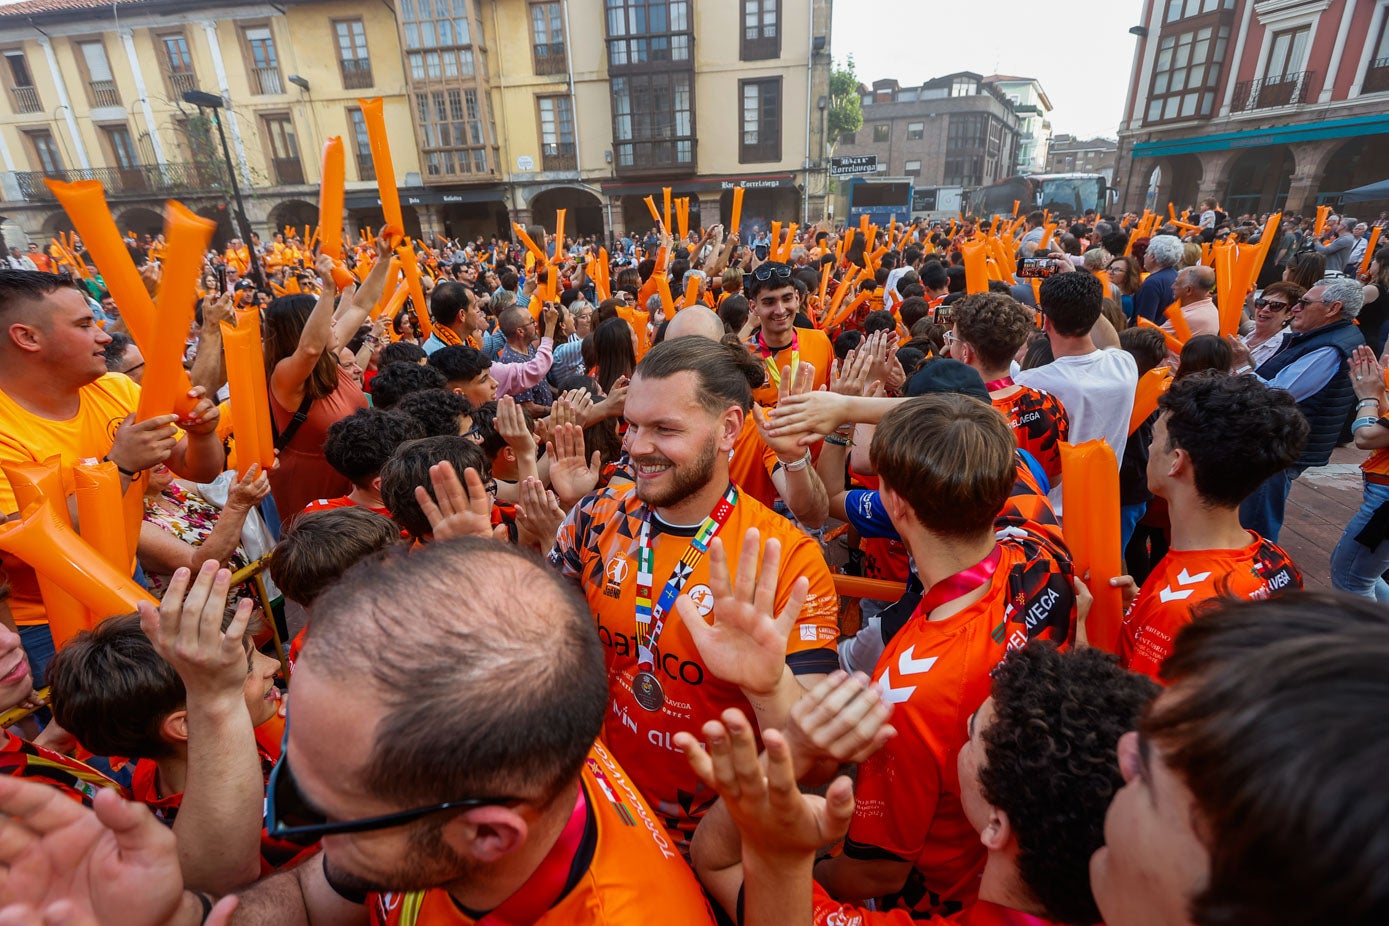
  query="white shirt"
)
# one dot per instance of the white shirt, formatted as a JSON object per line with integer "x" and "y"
{"x": 1097, "y": 392}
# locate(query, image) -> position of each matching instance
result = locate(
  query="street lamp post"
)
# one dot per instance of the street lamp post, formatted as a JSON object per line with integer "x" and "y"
{"x": 215, "y": 103}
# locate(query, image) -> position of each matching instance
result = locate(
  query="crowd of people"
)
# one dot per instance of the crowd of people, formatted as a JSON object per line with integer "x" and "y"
{"x": 675, "y": 582}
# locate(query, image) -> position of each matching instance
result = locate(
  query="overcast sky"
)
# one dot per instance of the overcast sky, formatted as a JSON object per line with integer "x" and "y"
{"x": 1081, "y": 56}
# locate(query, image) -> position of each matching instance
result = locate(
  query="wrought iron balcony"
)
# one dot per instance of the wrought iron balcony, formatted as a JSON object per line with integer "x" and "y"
{"x": 549, "y": 58}
{"x": 104, "y": 93}
{"x": 182, "y": 81}
{"x": 141, "y": 179}
{"x": 559, "y": 157}
{"x": 1276, "y": 90}
{"x": 356, "y": 73}
{"x": 26, "y": 100}
{"x": 266, "y": 82}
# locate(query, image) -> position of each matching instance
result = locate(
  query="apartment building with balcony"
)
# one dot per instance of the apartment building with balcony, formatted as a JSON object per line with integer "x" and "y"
{"x": 498, "y": 110}
{"x": 1261, "y": 104}
{"x": 1033, "y": 107}
{"x": 95, "y": 90}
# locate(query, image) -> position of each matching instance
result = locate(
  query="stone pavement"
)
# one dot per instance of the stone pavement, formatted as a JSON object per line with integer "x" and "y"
{"x": 1319, "y": 508}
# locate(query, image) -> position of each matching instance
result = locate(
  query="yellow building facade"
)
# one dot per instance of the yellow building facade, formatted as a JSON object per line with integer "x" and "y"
{"x": 497, "y": 110}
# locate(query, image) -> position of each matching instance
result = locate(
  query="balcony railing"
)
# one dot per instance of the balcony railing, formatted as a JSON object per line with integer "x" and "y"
{"x": 288, "y": 171}
{"x": 104, "y": 93}
{"x": 140, "y": 179}
{"x": 182, "y": 81}
{"x": 266, "y": 81}
{"x": 1268, "y": 92}
{"x": 559, "y": 157}
{"x": 549, "y": 59}
{"x": 1377, "y": 77}
{"x": 356, "y": 73}
{"x": 26, "y": 100}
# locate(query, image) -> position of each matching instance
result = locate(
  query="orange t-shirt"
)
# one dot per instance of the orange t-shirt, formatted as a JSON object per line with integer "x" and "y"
{"x": 1039, "y": 424}
{"x": 28, "y": 438}
{"x": 1187, "y": 578}
{"x": 936, "y": 674}
{"x": 750, "y": 467}
{"x": 635, "y": 878}
{"x": 1376, "y": 465}
{"x": 342, "y": 501}
{"x": 597, "y": 547}
{"x": 814, "y": 347}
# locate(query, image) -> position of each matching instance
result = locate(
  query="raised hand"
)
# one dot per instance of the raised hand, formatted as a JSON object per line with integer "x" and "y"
{"x": 571, "y": 475}
{"x": 457, "y": 512}
{"x": 538, "y": 515}
{"x": 1366, "y": 374}
{"x": 785, "y": 443}
{"x": 186, "y": 630}
{"x": 775, "y": 819}
{"x": 114, "y": 864}
{"x": 248, "y": 490}
{"x": 841, "y": 720}
{"x": 745, "y": 643}
{"x": 202, "y": 420}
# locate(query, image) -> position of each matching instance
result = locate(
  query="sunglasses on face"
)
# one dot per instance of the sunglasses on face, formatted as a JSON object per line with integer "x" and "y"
{"x": 1270, "y": 304}
{"x": 291, "y": 818}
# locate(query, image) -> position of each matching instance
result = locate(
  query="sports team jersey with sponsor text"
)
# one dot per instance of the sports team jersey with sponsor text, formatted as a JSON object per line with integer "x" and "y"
{"x": 20, "y": 758}
{"x": 597, "y": 547}
{"x": 626, "y": 872}
{"x": 936, "y": 673}
{"x": 1039, "y": 424}
{"x": 1185, "y": 579}
{"x": 830, "y": 912}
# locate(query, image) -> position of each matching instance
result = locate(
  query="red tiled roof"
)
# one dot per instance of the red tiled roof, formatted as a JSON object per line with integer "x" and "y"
{"x": 30, "y": 7}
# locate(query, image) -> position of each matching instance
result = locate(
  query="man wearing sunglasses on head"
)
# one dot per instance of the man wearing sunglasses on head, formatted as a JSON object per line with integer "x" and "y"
{"x": 775, "y": 303}
{"x": 447, "y": 760}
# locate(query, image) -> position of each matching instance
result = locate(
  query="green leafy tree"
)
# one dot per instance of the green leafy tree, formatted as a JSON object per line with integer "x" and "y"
{"x": 845, "y": 106}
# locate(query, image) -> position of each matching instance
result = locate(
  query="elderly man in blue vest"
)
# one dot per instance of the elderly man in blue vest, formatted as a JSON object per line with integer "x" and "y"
{"x": 1314, "y": 366}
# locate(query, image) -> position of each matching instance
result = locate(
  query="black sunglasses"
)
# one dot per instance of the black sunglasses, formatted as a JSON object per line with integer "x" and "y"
{"x": 772, "y": 269}
{"x": 289, "y": 817}
{"x": 1268, "y": 303}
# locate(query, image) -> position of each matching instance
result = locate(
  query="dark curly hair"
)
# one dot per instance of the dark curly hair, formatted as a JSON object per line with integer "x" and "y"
{"x": 400, "y": 352}
{"x": 459, "y": 363}
{"x": 360, "y": 444}
{"x": 399, "y": 380}
{"x": 994, "y": 325}
{"x": 1050, "y": 763}
{"x": 438, "y": 411}
{"x": 1072, "y": 302}
{"x": 1236, "y": 431}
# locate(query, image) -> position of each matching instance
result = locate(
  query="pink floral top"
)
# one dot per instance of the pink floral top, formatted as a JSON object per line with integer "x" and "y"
{"x": 192, "y": 523}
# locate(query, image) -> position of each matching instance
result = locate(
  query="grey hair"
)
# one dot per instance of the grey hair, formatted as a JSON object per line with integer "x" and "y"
{"x": 1097, "y": 259}
{"x": 1166, "y": 250}
{"x": 1347, "y": 291}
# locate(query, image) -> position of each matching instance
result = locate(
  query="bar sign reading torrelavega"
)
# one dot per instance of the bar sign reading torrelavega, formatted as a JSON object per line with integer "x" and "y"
{"x": 858, "y": 164}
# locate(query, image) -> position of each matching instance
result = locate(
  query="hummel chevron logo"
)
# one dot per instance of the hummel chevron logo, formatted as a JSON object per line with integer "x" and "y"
{"x": 1183, "y": 578}
{"x": 906, "y": 665}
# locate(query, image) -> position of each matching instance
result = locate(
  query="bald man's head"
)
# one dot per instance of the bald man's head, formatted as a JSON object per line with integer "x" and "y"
{"x": 695, "y": 321}
{"x": 484, "y": 691}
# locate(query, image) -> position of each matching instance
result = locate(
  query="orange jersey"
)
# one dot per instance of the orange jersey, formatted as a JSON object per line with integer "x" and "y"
{"x": 635, "y": 876}
{"x": 829, "y": 912}
{"x": 1376, "y": 467}
{"x": 814, "y": 347}
{"x": 1039, "y": 424}
{"x": 597, "y": 547}
{"x": 1187, "y": 578}
{"x": 750, "y": 467}
{"x": 936, "y": 673}
{"x": 26, "y": 438}
{"x": 342, "y": 501}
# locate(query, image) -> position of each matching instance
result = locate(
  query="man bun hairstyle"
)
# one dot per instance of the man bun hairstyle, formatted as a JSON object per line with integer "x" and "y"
{"x": 724, "y": 370}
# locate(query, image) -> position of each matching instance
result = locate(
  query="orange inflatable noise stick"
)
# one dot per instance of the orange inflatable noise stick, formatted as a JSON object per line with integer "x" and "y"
{"x": 1090, "y": 514}
{"x": 43, "y": 540}
{"x": 250, "y": 397}
{"x": 101, "y": 512}
{"x": 164, "y": 389}
{"x": 1151, "y": 386}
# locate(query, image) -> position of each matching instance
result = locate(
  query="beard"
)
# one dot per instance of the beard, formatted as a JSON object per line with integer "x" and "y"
{"x": 428, "y": 862}
{"x": 686, "y": 479}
